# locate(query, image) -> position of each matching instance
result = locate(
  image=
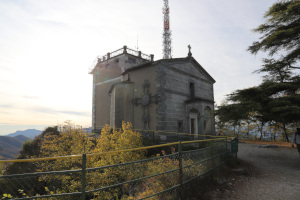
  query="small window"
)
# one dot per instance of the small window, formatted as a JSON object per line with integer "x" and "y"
{"x": 192, "y": 90}
{"x": 131, "y": 60}
{"x": 180, "y": 125}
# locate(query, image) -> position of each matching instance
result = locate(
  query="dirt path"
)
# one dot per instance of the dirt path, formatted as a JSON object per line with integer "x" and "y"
{"x": 269, "y": 173}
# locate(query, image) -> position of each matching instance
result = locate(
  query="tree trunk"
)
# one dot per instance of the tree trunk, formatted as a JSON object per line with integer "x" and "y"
{"x": 261, "y": 130}
{"x": 285, "y": 133}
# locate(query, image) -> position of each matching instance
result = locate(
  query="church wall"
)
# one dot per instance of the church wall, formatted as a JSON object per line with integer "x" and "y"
{"x": 102, "y": 105}
{"x": 105, "y": 74}
{"x": 170, "y": 79}
{"x": 175, "y": 112}
{"x": 138, "y": 77}
{"x": 161, "y": 115}
{"x": 210, "y": 119}
{"x": 187, "y": 72}
{"x": 121, "y": 104}
{"x": 174, "y": 92}
{"x": 174, "y": 82}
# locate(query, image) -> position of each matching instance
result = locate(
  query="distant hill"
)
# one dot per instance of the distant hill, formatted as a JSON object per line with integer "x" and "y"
{"x": 11, "y": 146}
{"x": 22, "y": 138}
{"x": 29, "y": 133}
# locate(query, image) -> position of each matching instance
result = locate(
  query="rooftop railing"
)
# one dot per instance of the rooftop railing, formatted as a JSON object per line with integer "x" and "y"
{"x": 124, "y": 50}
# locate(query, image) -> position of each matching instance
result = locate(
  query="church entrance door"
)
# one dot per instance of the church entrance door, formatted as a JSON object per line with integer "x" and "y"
{"x": 192, "y": 125}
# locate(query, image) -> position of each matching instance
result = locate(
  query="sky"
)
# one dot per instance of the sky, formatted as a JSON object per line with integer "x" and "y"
{"x": 47, "y": 48}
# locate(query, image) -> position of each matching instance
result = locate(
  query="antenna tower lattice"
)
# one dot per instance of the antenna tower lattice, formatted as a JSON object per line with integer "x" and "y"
{"x": 167, "y": 50}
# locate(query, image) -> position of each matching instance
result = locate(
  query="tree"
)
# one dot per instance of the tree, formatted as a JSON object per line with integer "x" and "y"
{"x": 30, "y": 149}
{"x": 281, "y": 35}
{"x": 73, "y": 141}
{"x": 277, "y": 99}
{"x": 270, "y": 102}
{"x": 1, "y": 167}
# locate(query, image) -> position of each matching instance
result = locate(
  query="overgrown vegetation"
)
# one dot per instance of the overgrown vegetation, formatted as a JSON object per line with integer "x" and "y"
{"x": 68, "y": 139}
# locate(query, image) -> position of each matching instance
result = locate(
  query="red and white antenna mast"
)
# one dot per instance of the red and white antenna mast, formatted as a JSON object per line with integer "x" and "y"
{"x": 167, "y": 50}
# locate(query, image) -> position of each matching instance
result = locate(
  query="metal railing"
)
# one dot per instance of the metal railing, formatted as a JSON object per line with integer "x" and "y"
{"x": 170, "y": 136}
{"x": 158, "y": 177}
{"x": 118, "y": 52}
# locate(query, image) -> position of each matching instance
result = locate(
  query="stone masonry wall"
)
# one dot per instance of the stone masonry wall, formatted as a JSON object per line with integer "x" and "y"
{"x": 173, "y": 85}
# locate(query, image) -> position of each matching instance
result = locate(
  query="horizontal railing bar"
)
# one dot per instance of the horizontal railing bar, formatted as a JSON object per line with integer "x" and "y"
{"x": 41, "y": 173}
{"x": 88, "y": 155}
{"x": 201, "y": 161}
{"x": 135, "y": 180}
{"x": 88, "y": 169}
{"x": 170, "y": 132}
{"x": 214, "y": 141}
{"x": 196, "y": 141}
{"x": 197, "y": 176}
{"x": 40, "y": 159}
{"x": 133, "y": 162}
{"x": 53, "y": 195}
{"x": 135, "y": 149}
{"x": 203, "y": 149}
{"x": 103, "y": 167}
{"x": 139, "y": 179}
{"x": 158, "y": 193}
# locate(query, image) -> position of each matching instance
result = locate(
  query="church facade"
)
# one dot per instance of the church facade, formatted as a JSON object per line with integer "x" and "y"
{"x": 168, "y": 95}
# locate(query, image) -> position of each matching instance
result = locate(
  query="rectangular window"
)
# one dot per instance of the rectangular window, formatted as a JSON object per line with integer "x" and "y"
{"x": 131, "y": 60}
{"x": 192, "y": 90}
{"x": 180, "y": 125}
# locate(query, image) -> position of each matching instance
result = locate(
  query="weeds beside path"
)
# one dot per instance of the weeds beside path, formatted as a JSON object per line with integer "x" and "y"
{"x": 264, "y": 173}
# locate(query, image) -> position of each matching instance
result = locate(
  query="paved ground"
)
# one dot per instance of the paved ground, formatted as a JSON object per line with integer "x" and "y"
{"x": 264, "y": 173}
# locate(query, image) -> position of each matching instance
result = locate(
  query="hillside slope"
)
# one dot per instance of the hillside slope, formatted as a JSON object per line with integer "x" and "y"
{"x": 10, "y": 146}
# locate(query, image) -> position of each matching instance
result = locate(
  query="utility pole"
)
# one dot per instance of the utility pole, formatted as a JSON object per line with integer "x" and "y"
{"x": 167, "y": 50}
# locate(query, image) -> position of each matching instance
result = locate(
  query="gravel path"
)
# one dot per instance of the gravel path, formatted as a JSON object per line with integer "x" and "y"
{"x": 267, "y": 173}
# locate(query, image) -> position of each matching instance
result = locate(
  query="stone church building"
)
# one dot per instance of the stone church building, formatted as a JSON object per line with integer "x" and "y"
{"x": 168, "y": 95}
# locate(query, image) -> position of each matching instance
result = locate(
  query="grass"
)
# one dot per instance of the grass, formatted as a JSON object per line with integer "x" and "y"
{"x": 278, "y": 143}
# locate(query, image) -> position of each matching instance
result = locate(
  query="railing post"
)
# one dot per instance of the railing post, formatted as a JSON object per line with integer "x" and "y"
{"x": 153, "y": 137}
{"x": 180, "y": 171}
{"x": 125, "y": 49}
{"x": 83, "y": 176}
{"x": 213, "y": 155}
{"x": 151, "y": 57}
{"x": 227, "y": 153}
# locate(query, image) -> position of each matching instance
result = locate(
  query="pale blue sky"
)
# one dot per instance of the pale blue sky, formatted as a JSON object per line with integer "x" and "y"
{"x": 47, "y": 47}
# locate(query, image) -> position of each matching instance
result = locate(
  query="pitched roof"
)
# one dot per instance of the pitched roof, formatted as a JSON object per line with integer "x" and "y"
{"x": 164, "y": 61}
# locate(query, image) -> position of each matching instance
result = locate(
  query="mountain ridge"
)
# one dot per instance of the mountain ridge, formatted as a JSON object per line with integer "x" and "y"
{"x": 29, "y": 133}
{"x": 10, "y": 146}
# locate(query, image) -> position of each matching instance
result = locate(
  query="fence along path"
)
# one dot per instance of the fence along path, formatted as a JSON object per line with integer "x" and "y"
{"x": 155, "y": 177}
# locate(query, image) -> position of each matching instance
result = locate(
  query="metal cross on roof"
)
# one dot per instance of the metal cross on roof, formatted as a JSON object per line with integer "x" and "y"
{"x": 190, "y": 53}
